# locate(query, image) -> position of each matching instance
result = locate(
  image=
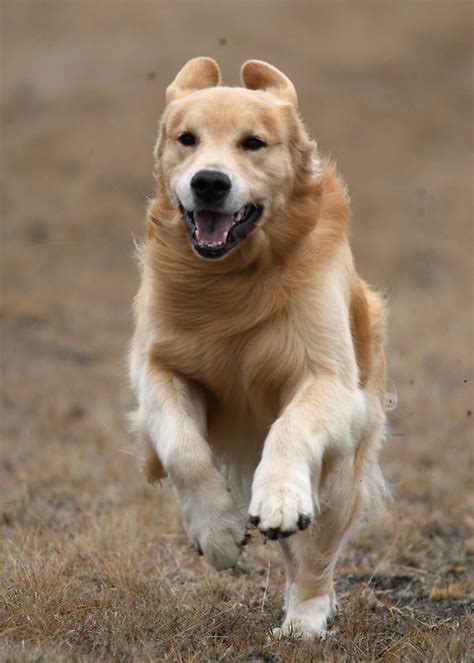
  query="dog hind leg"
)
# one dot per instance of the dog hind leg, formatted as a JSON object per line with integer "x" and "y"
{"x": 311, "y": 556}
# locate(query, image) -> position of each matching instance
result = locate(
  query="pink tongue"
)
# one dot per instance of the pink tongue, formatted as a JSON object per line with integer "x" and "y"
{"x": 212, "y": 227}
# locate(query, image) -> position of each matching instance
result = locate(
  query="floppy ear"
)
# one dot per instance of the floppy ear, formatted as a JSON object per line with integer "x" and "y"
{"x": 197, "y": 74}
{"x": 258, "y": 75}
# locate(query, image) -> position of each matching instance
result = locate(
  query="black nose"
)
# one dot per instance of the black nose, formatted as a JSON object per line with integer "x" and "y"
{"x": 210, "y": 186}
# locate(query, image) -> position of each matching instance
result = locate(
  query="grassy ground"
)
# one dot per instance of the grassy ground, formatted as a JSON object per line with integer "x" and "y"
{"x": 94, "y": 564}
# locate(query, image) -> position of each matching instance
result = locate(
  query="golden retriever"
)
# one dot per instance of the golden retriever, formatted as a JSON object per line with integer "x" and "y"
{"x": 257, "y": 359}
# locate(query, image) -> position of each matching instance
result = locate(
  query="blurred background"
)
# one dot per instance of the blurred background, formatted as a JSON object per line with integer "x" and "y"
{"x": 386, "y": 90}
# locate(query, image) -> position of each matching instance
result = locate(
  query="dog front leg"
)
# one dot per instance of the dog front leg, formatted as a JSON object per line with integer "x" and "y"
{"x": 173, "y": 412}
{"x": 322, "y": 413}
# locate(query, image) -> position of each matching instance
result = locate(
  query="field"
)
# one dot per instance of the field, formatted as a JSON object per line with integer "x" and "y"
{"x": 94, "y": 565}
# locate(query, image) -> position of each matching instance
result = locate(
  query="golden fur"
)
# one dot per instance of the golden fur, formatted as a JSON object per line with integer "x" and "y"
{"x": 270, "y": 357}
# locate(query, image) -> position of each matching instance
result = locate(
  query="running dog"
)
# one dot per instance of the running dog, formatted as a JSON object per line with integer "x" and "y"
{"x": 257, "y": 359}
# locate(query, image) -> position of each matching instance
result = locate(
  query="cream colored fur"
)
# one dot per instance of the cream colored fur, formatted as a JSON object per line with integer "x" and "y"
{"x": 260, "y": 377}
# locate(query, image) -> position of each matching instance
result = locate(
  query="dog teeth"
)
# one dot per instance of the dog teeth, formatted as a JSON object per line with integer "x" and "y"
{"x": 240, "y": 214}
{"x": 213, "y": 245}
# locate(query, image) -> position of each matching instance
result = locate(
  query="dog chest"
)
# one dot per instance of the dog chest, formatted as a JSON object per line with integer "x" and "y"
{"x": 252, "y": 370}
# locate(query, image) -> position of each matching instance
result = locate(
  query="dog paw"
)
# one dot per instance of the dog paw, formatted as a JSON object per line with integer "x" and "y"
{"x": 295, "y": 630}
{"x": 307, "y": 622}
{"x": 222, "y": 548}
{"x": 281, "y": 506}
{"x": 216, "y": 530}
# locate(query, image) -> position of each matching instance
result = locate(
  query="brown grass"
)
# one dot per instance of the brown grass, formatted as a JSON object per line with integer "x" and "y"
{"x": 94, "y": 564}
{"x": 111, "y": 581}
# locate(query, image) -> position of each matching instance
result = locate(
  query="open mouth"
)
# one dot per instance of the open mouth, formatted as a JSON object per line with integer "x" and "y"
{"x": 213, "y": 234}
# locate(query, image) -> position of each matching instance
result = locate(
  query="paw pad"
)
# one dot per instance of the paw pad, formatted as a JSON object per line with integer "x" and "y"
{"x": 274, "y": 533}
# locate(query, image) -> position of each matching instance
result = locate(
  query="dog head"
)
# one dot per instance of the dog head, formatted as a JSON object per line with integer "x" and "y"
{"x": 231, "y": 160}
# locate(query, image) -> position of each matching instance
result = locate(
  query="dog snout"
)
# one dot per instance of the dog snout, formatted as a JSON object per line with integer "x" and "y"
{"x": 210, "y": 186}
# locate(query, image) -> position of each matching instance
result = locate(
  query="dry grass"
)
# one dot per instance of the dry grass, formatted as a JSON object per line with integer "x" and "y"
{"x": 94, "y": 564}
{"x": 115, "y": 581}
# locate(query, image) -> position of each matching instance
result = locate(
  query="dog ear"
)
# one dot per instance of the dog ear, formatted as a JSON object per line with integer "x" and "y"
{"x": 158, "y": 149}
{"x": 197, "y": 74}
{"x": 258, "y": 75}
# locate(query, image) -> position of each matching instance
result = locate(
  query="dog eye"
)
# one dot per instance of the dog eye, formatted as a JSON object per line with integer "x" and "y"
{"x": 253, "y": 143}
{"x": 188, "y": 139}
